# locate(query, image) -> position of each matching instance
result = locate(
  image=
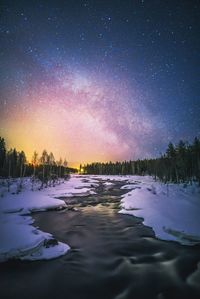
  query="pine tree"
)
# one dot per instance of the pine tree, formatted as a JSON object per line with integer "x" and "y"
{"x": 34, "y": 162}
{"x": 2, "y": 155}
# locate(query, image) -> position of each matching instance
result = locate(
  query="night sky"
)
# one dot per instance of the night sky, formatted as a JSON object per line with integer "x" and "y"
{"x": 99, "y": 80}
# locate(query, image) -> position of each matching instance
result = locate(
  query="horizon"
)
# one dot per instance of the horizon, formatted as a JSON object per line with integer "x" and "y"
{"x": 76, "y": 164}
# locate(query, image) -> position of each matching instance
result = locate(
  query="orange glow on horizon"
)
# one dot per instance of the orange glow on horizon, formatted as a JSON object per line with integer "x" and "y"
{"x": 76, "y": 118}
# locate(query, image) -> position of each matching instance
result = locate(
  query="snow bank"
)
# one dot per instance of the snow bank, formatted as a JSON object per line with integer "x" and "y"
{"x": 171, "y": 210}
{"x": 18, "y": 238}
{"x": 29, "y": 201}
{"x": 76, "y": 186}
{"x": 22, "y": 241}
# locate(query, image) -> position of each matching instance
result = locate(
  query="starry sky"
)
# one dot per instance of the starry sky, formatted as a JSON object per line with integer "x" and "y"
{"x": 99, "y": 80}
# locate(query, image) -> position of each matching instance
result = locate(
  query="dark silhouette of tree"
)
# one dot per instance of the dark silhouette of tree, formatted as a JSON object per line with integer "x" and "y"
{"x": 2, "y": 155}
{"x": 44, "y": 162}
{"x": 22, "y": 166}
{"x": 34, "y": 162}
{"x": 180, "y": 163}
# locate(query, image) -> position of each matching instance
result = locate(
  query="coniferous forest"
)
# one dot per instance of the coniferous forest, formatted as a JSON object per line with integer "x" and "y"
{"x": 180, "y": 163}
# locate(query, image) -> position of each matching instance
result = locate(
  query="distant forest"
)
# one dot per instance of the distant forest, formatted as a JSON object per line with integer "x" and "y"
{"x": 14, "y": 164}
{"x": 180, "y": 163}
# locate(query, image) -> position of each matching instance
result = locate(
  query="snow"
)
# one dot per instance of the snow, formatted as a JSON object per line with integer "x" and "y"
{"x": 108, "y": 184}
{"x": 29, "y": 201}
{"x": 19, "y": 239}
{"x": 128, "y": 187}
{"x": 171, "y": 210}
{"x": 76, "y": 186}
{"x": 110, "y": 177}
{"x": 47, "y": 253}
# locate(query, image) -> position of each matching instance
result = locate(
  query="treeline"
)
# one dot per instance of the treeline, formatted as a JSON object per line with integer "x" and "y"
{"x": 14, "y": 164}
{"x": 180, "y": 163}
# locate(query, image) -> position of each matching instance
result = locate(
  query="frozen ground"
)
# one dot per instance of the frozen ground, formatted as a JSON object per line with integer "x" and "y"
{"x": 18, "y": 238}
{"x": 173, "y": 211}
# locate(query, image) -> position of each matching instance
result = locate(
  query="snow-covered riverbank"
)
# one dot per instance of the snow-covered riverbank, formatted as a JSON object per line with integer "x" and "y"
{"x": 18, "y": 237}
{"x": 171, "y": 210}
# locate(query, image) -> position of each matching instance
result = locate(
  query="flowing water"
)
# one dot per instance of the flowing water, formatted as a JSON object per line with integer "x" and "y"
{"x": 112, "y": 256}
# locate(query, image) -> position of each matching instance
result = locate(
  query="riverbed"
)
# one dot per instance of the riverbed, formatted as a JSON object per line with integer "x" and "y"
{"x": 112, "y": 256}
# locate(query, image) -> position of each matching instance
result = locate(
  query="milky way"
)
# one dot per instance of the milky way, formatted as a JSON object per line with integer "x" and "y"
{"x": 99, "y": 80}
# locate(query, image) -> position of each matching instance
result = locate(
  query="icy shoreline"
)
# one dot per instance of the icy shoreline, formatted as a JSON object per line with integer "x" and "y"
{"x": 171, "y": 210}
{"x": 19, "y": 239}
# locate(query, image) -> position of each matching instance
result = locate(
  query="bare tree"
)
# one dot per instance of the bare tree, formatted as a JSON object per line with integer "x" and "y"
{"x": 44, "y": 162}
{"x": 51, "y": 161}
{"x": 22, "y": 166}
{"x": 59, "y": 164}
{"x": 34, "y": 162}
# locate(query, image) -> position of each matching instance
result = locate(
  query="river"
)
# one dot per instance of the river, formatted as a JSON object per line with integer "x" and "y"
{"x": 112, "y": 256}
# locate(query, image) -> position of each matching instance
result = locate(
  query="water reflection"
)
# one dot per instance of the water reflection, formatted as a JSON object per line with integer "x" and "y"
{"x": 113, "y": 256}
